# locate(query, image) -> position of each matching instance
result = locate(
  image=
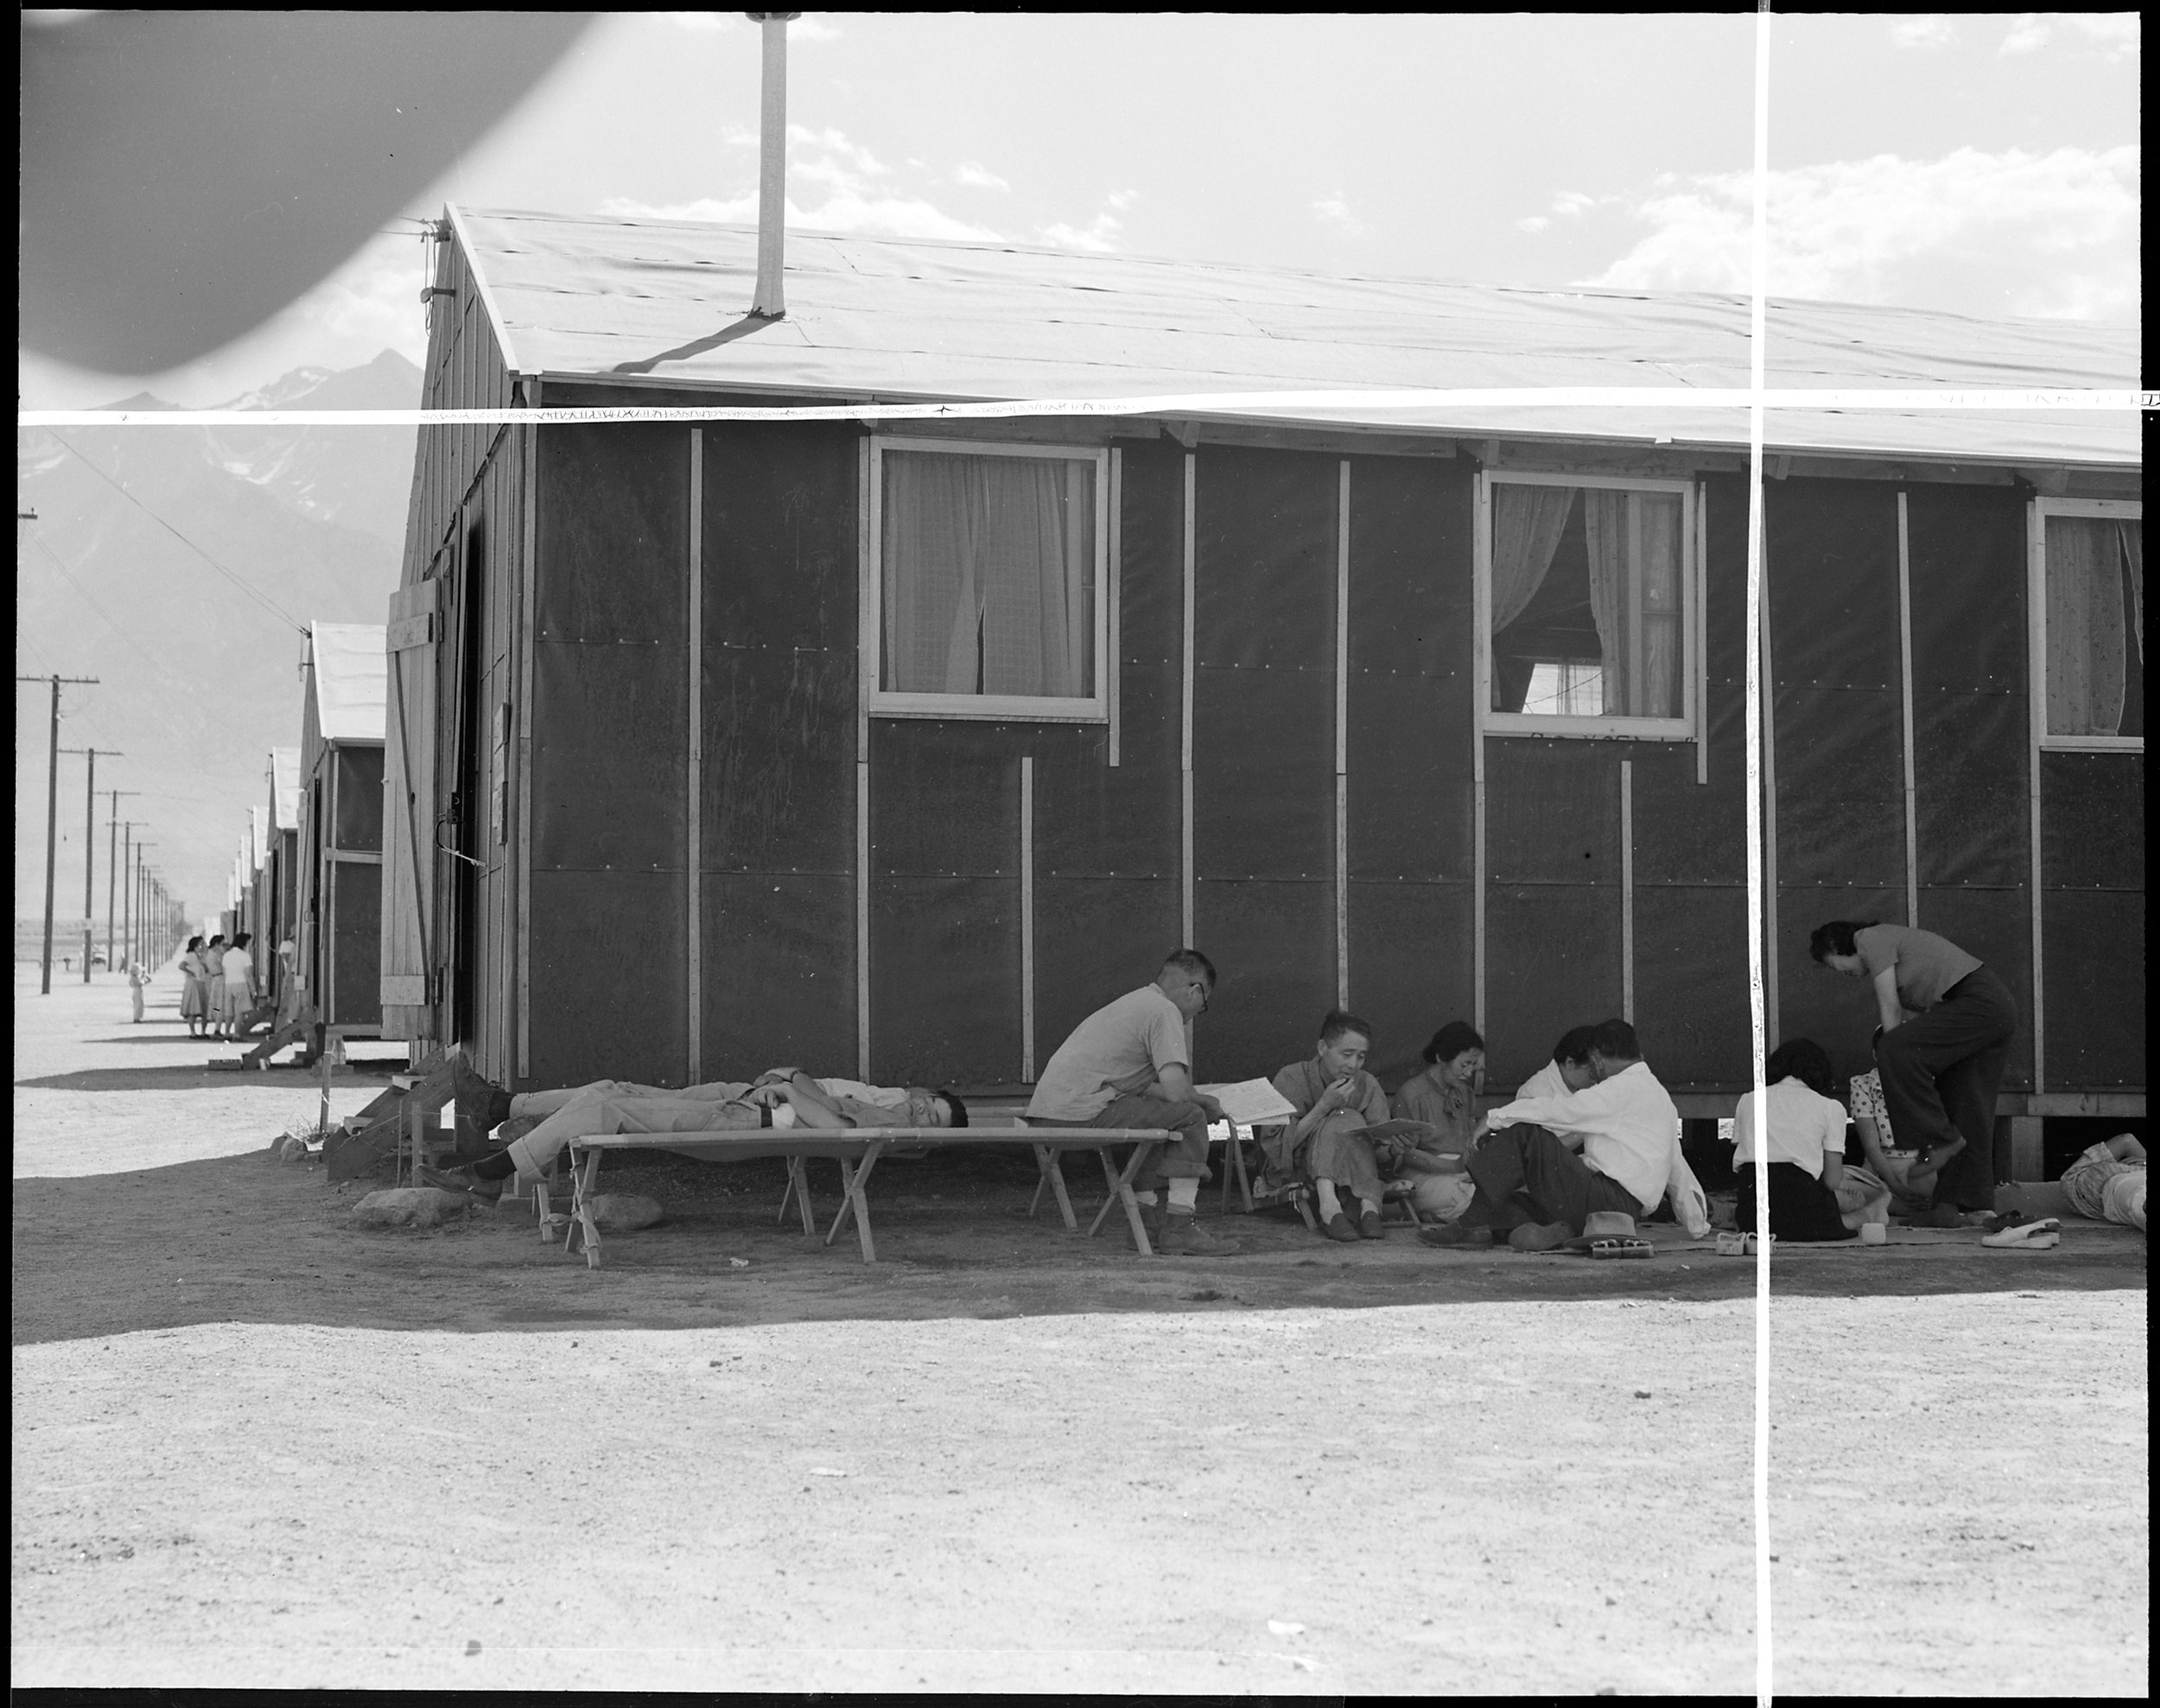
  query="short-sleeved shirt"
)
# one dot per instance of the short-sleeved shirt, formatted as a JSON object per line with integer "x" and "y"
{"x": 1121, "y": 1047}
{"x": 1866, "y": 1091}
{"x": 1803, "y": 1127}
{"x": 2086, "y": 1182}
{"x": 239, "y": 968}
{"x": 1926, "y": 965}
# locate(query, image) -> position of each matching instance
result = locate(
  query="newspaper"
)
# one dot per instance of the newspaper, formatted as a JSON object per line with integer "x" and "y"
{"x": 1252, "y": 1103}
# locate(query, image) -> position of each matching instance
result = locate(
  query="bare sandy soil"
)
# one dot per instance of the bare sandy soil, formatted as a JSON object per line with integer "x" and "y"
{"x": 256, "y": 1446}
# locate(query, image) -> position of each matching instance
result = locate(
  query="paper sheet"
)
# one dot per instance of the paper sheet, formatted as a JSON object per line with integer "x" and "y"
{"x": 1252, "y": 1103}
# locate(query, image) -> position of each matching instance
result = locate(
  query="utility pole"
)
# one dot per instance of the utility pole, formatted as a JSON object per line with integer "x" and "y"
{"x": 113, "y": 869}
{"x": 134, "y": 941}
{"x": 89, "y": 852}
{"x": 52, "y": 820}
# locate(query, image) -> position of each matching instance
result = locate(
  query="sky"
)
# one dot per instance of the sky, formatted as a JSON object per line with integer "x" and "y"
{"x": 1986, "y": 164}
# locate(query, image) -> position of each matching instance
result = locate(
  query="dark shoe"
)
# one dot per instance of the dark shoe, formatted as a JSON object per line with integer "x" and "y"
{"x": 1182, "y": 1236}
{"x": 1338, "y": 1227}
{"x": 482, "y": 1106}
{"x": 1455, "y": 1234}
{"x": 458, "y": 1180}
{"x": 1368, "y": 1226}
{"x": 1540, "y": 1236}
{"x": 1151, "y": 1218}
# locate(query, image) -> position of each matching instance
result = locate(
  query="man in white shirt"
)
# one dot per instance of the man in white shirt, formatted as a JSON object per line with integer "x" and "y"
{"x": 1568, "y": 1070}
{"x": 1126, "y": 1065}
{"x": 1550, "y": 1161}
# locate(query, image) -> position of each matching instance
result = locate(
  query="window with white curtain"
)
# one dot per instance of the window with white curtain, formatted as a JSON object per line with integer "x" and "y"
{"x": 2093, "y": 628}
{"x": 987, "y": 580}
{"x": 1588, "y": 589}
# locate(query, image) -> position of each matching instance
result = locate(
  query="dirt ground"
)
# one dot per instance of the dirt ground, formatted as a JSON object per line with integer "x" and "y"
{"x": 254, "y": 1445}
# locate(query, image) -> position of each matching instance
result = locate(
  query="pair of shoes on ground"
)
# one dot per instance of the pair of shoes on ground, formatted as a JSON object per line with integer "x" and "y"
{"x": 1367, "y": 1227}
{"x": 2038, "y": 1235}
{"x": 1734, "y": 1243}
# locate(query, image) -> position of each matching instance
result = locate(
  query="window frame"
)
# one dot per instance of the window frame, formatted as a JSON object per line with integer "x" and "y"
{"x": 1687, "y": 727}
{"x": 880, "y": 702}
{"x": 2117, "y": 510}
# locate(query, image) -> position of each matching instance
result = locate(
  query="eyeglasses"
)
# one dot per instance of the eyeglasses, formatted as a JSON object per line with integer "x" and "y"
{"x": 1207, "y": 998}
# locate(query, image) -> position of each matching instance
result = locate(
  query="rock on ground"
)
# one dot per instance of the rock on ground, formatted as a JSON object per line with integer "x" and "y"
{"x": 624, "y": 1212}
{"x": 409, "y": 1207}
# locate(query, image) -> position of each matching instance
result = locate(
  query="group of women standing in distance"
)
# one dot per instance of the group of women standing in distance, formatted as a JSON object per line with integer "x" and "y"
{"x": 217, "y": 990}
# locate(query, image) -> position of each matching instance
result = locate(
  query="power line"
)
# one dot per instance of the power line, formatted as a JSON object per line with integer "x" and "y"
{"x": 261, "y": 599}
{"x": 157, "y": 665}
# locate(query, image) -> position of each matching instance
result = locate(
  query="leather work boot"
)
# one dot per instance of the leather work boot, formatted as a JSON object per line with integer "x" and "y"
{"x": 1182, "y": 1236}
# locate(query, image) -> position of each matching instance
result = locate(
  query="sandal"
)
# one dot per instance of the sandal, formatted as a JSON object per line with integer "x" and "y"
{"x": 2040, "y": 1234}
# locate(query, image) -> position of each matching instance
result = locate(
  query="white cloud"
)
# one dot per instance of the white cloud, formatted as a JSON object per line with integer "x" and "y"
{"x": 1573, "y": 202}
{"x": 2052, "y": 235}
{"x": 706, "y": 21}
{"x": 2118, "y": 35}
{"x": 1098, "y": 237}
{"x": 844, "y": 189}
{"x": 812, "y": 29}
{"x": 1334, "y": 211}
{"x": 1533, "y": 222}
{"x": 975, "y": 176}
{"x": 1935, "y": 31}
{"x": 1122, "y": 200}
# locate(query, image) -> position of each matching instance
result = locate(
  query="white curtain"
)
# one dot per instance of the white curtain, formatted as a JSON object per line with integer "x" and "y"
{"x": 986, "y": 574}
{"x": 2086, "y": 626}
{"x": 1633, "y": 540}
{"x": 1527, "y": 525}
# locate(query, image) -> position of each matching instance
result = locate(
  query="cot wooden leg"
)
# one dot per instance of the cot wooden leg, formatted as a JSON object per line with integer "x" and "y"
{"x": 1121, "y": 1192}
{"x": 1244, "y": 1180}
{"x": 1109, "y": 1178}
{"x": 853, "y": 1200}
{"x": 1054, "y": 1177}
{"x": 801, "y": 1197}
{"x": 787, "y": 1191}
{"x": 583, "y": 1172}
{"x": 547, "y": 1213}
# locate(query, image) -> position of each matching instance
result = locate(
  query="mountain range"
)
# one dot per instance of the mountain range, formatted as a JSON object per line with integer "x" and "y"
{"x": 179, "y": 566}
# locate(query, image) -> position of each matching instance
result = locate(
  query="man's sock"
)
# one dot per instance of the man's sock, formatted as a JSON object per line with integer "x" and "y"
{"x": 1185, "y": 1196}
{"x": 1330, "y": 1206}
{"x": 499, "y": 1166}
{"x": 1147, "y": 1197}
{"x": 1367, "y": 1207}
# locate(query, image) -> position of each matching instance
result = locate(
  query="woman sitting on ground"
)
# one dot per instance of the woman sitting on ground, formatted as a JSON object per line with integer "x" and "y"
{"x": 1803, "y": 1129}
{"x": 1444, "y": 1098}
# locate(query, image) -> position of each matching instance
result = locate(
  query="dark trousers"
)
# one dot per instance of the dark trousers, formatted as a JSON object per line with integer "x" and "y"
{"x": 1524, "y": 1174}
{"x": 1940, "y": 1071}
{"x": 1184, "y": 1157}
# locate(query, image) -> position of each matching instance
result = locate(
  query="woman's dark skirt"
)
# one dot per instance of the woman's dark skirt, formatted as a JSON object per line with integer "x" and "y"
{"x": 1802, "y": 1208}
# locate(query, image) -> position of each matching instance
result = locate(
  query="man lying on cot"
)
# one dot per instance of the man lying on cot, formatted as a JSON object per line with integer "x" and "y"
{"x": 1547, "y": 1162}
{"x": 1126, "y": 1065}
{"x": 785, "y": 1097}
